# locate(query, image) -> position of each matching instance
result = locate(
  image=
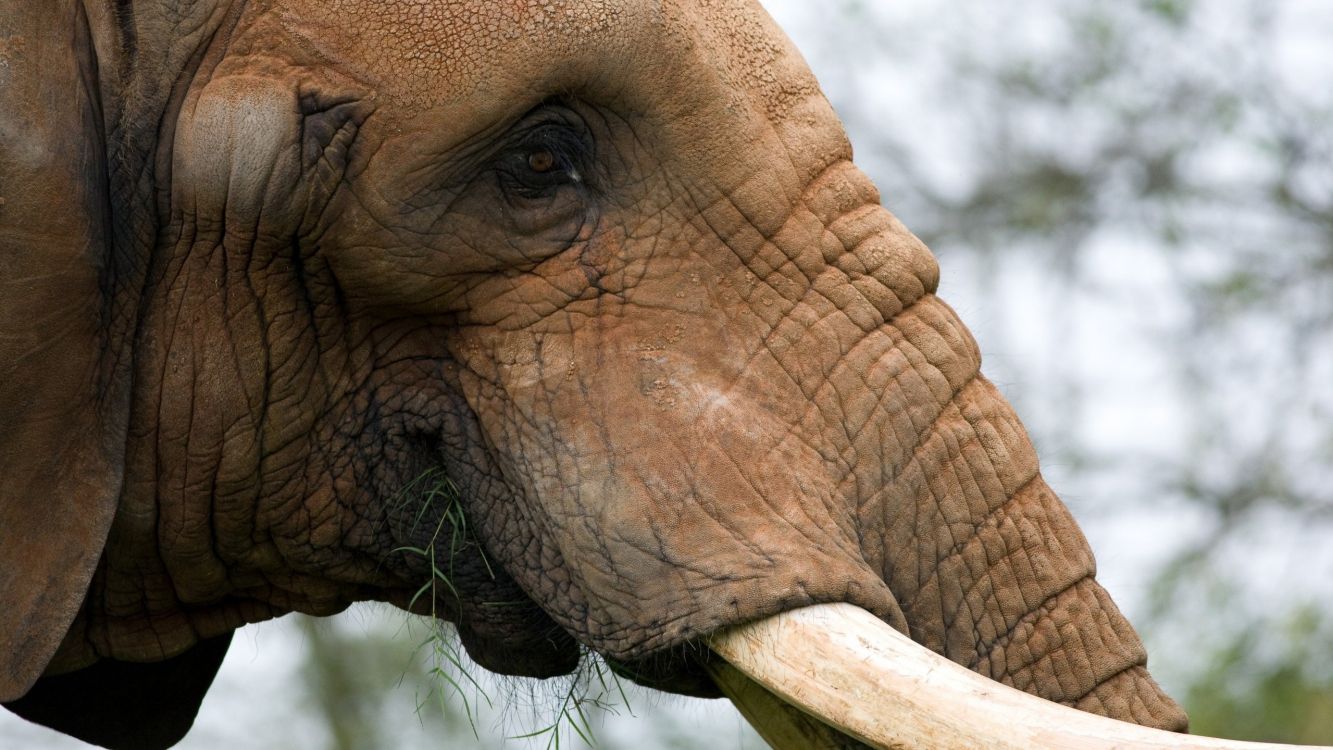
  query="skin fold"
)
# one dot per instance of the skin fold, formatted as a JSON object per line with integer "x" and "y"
{"x": 606, "y": 266}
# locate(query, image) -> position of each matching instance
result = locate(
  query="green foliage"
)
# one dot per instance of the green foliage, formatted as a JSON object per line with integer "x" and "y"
{"x": 450, "y": 675}
{"x": 1271, "y": 683}
{"x": 354, "y": 674}
{"x": 437, "y": 497}
{"x": 1175, "y": 12}
{"x": 593, "y": 688}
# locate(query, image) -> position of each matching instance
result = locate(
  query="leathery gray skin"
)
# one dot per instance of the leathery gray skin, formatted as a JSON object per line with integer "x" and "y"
{"x": 607, "y": 266}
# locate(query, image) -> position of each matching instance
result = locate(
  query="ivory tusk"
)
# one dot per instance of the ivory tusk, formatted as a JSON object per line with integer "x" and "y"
{"x": 781, "y": 725}
{"x": 850, "y": 670}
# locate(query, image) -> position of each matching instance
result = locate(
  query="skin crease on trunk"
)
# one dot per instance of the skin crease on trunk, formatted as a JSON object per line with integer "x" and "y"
{"x": 686, "y": 373}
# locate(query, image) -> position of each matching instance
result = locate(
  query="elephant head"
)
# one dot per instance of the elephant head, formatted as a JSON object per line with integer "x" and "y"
{"x": 272, "y": 267}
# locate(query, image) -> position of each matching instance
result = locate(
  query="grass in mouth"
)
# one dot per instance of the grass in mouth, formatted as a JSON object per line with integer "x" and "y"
{"x": 591, "y": 689}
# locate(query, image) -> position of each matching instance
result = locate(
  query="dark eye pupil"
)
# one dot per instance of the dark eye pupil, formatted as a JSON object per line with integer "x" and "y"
{"x": 541, "y": 161}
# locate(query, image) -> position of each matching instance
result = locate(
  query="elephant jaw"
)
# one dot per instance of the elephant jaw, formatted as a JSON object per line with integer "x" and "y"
{"x": 836, "y": 676}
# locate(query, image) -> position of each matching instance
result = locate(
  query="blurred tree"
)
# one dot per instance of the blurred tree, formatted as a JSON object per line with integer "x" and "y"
{"x": 372, "y": 681}
{"x": 376, "y": 679}
{"x": 1287, "y": 694}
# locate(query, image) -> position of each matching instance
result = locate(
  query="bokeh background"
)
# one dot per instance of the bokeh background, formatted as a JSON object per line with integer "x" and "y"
{"x": 1132, "y": 204}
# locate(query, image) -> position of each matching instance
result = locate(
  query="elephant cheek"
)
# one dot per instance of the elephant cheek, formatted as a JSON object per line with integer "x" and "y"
{"x": 677, "y": 538}
{"x": 647, "y": 505}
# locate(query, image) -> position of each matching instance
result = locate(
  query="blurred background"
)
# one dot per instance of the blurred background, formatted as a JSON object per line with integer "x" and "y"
{"x": 1132, "y": 204}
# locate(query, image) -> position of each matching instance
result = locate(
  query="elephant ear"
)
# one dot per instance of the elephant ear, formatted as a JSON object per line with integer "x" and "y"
{"x": 62, "y": 405}
{"x": 119, "y": 704}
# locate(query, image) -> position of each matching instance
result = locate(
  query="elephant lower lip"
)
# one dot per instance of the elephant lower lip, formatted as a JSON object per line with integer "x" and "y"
{"x": 550, "y": 656}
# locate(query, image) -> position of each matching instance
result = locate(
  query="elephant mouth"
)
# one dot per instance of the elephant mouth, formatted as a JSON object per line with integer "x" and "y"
{"x": 451, "y": 577}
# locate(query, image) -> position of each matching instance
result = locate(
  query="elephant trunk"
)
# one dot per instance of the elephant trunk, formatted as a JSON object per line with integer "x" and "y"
{"x": 950, "y": 510}
{"x": 991, "y": 570}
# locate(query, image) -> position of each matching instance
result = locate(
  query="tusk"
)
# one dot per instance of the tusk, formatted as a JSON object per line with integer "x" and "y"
{"x": 781, "y": 725}
{"x": 852, "y": 671}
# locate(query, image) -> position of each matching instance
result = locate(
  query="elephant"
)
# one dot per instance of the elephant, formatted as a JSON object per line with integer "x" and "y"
{"x": 273, "y": 266}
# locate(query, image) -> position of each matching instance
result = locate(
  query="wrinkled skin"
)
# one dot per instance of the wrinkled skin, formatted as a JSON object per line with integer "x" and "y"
{"x": 607, "y": 266}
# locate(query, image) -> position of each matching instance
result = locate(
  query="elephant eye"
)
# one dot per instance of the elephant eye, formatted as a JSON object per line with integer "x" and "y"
{"x": 541, "y": 161}
{"x": 545, "y": 159}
